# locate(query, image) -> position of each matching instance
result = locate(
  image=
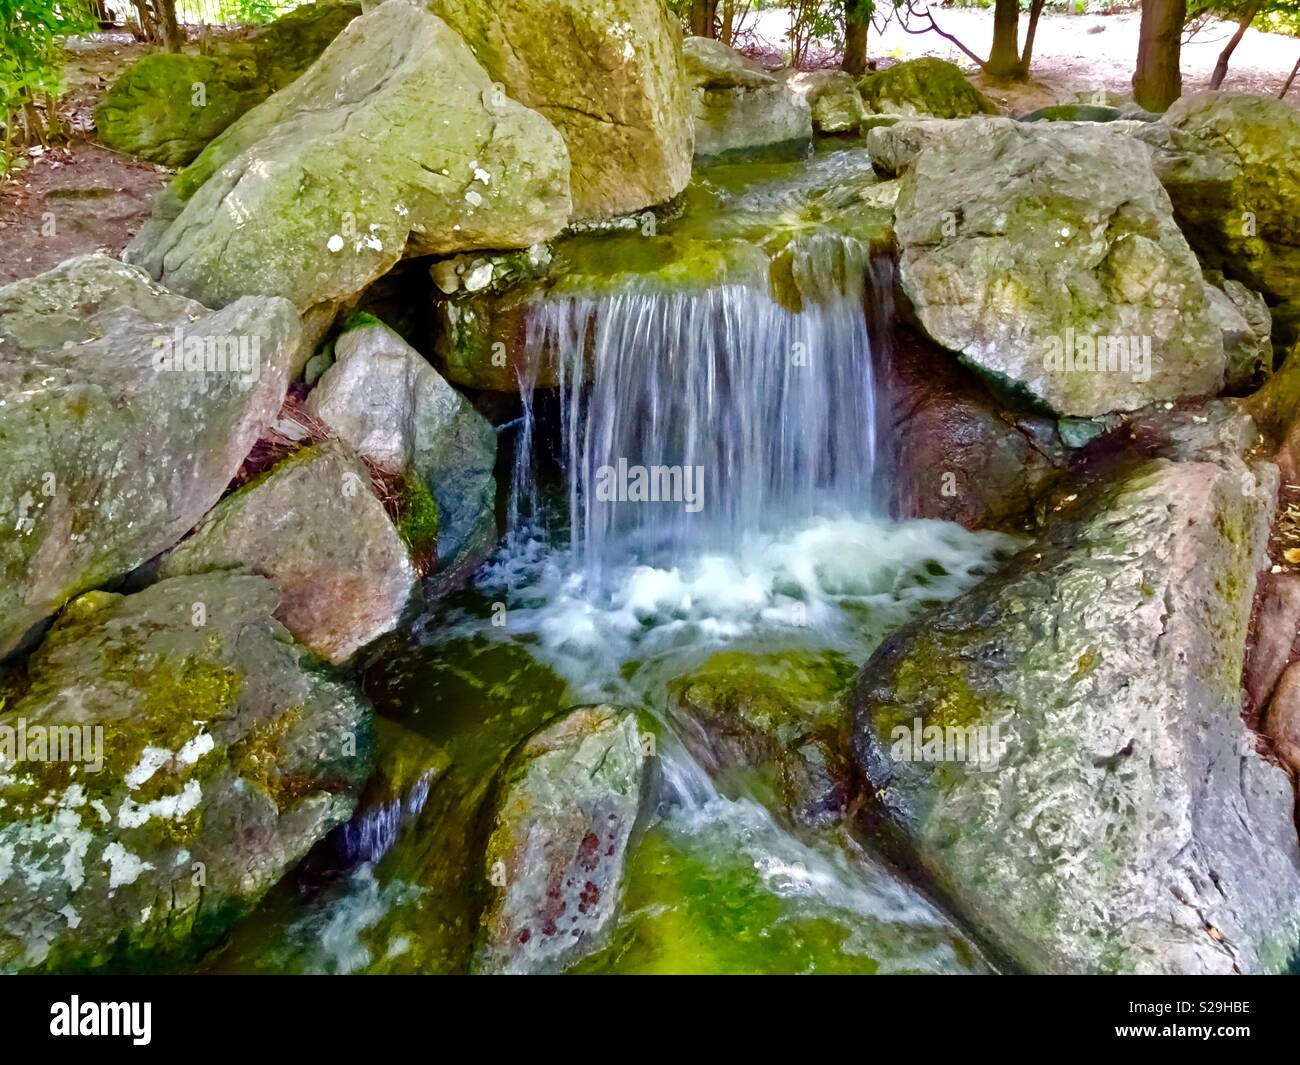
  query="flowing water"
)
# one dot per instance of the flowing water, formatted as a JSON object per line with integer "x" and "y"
{"x": 608, "y": 591}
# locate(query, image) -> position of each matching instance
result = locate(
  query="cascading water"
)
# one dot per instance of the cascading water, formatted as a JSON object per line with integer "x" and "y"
{"x": 767, "y": 382}
{"x": 690, "y": 419}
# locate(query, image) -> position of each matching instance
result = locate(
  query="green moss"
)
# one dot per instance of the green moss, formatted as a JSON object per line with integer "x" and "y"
{"x": 418, "y": 521}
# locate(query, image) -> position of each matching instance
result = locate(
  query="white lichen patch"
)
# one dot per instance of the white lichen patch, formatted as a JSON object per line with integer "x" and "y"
{"x": 132, "y": 814}
{"x": 123, "y": 867}
{"x": 195, "y": 749}
{"x": 151, "y": 760}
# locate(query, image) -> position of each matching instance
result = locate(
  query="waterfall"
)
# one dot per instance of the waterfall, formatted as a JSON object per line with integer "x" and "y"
{"x": 745, "y": 412}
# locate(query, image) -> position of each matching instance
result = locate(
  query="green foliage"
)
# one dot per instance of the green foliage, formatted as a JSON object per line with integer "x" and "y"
{"x": 252, "y": 12}
{"x": 31, "y": 54}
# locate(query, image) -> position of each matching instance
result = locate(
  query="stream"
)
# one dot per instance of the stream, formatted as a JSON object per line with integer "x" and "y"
{"x": 594, "y": 596}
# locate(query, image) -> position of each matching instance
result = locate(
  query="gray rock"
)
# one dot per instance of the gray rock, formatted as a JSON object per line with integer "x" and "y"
{"x": 224, "y": 753}
{"x": 1282, "y": 723}
{"x": 740, "y": 109}
{"x": 1042, "y": 254}
{"x": 833, "y": 95}
{"x": 110, "y": 455}
{"x": 313, "y": 527}
{"x": 568, "y": 803}
{"x": 608, "y": 74}
{"x": 393, "y": 407}
{"x": 394, "y": 142}
{"x": 1244, "y": 320}
{"x": 1124, "y": 821}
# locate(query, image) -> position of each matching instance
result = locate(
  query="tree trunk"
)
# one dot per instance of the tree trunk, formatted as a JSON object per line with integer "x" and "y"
{"x": 1287, "y": 87}
{"x": 704, "y": 16}
{"x": 1004, "y": 58}
{"x": 165, "y": 12}
{"x": 1158, "y": 80}
{"x": 1221, "y": 67}
{"x": 1027, "y": 55}
{"x": 855, "y": 43}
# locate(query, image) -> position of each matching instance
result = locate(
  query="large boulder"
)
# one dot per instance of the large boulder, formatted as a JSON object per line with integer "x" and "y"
{"x": 608, "y": 74}
{"x": 1246, "y": 324}
{"x": 568, "y": 803}
{"x": 394, "y": 142}
{"x": 397, "y": 411}
{"x": 924, "y": 88}
{"x": 113, "y": 448}
{"x": 169, "y": 105}
{"x": 1048, "y": 258}
{"x": 313, "y": 526}
{"x": 1120, "y": 817}
{"x": 1230, "y": 171}
{"x": 213, "y": 754}
{"x": 739, "y": 108}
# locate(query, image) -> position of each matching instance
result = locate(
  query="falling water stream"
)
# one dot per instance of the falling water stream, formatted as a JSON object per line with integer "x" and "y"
{"x": 774, "y": 409}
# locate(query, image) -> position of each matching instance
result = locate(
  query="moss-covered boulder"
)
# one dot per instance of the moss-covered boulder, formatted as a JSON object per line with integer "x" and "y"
{"x": 1049, "y": 259}
{"x": 113, "y": 448}
{"x": 313, "y": 526}
{"x": 169, "y": 105}
{"x": 924, "y": 88}
{"x": 1064, "y": 747}
{"x": 394, "y": 142}
{"x": 608, "y": 74}
{"x": 741, "y": 110}
{"x": 775, "y": 718}
{"x": 1234, "y": 184}
{"x": 397, "y": 411}
{"x": 568, "y": 803}
{"x": 219, "y": 753}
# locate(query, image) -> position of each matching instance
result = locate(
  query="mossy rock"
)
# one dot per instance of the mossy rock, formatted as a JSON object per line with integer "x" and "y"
{"x": 225, "y": 753}
{"x": 924, "y": 88}
{"x": 169, "y": 105}
{"x": 1063, "y": 746}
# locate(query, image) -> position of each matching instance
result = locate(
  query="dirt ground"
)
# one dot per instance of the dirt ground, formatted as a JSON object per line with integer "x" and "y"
{"x": 80, "y": 197}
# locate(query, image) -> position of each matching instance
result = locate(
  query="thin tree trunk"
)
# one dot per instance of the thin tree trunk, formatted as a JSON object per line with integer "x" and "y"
{"x": 1287, "y": 87}
{"x": 1004, "y": 57}
{"x": 1158, "y": 79}
{"x": 855, "y": 43}
{"x": 1221, "y": 67}
{"x": 165, "y": 10}
{"x": 704, "y": 14}
{"x": 1027, "y": 55}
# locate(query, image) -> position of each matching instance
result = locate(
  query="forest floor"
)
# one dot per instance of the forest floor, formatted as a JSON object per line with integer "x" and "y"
{"x": 79, "y": 197}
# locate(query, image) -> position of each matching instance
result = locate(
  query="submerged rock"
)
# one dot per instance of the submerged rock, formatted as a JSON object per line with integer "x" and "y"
{"x": 924, "y": 88}
{"x": 1048, "y": 258}
{"x": 569, "y": 801}
{"x": 395, "y": 142}
{"x": 313, "y": 527}
{"x": 407, "y": 768}
{"x": 740, "y": 109}
{"x": 1121, "y": 819}
{"x": 226, "y": 753}
{"x": 113, "y": 450}
{"x": 169, "y": 105}
{"x": 608, "y": 74}
{"x": 1230, "y": 171}
{"x": 397, "y": 411}
{"x": 777, "y": 714}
